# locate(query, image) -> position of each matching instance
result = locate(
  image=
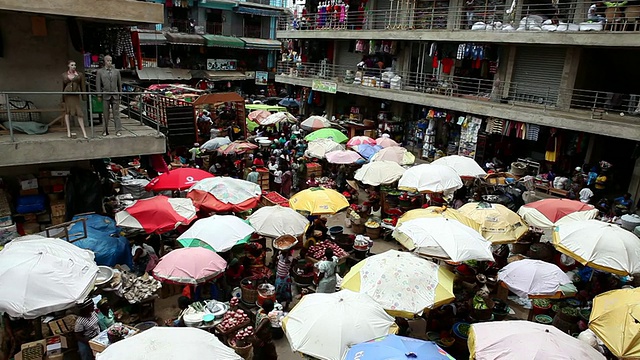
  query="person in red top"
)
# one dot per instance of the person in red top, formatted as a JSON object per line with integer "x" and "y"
{"x": 257, "y": 161}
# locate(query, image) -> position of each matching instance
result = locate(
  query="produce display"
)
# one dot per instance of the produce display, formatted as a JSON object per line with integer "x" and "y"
{"x": 234, "y": 302}
{"x": 134, "y": 288}
{"x": 276, "y": 198}
{"x": 243, "y": 336}
{"x": 372, "y": 224}
{"x": 233, "y": 320}
{"x": 479, "y": 303}
{"x": 317, "y": 251}
{"x": 326, "y": 182}
{"x": 284, "y": 242}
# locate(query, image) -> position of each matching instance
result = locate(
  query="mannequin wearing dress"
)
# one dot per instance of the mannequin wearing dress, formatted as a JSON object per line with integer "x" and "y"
{"x": 73, "y": 81}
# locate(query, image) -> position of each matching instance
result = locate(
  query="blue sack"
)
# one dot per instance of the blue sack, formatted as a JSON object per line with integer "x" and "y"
{"x": 30, "y": 204}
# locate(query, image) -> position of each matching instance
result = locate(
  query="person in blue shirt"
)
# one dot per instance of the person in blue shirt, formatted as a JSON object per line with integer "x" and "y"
{"x": 622, "y": 205}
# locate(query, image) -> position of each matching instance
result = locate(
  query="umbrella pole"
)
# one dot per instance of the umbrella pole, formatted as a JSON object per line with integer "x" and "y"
{"x": 37, "y": 326}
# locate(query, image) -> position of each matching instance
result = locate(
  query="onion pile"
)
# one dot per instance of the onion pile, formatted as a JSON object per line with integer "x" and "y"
{"x": 243, "y": 334}
{"x": 317, "y": 251}
{"x": 233, "y": 319}
{"x": 234, "y": 302}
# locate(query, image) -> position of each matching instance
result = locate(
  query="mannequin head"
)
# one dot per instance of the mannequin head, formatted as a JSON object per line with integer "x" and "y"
{"x": 108, "y": 62}
{"x": 71, "y": 65}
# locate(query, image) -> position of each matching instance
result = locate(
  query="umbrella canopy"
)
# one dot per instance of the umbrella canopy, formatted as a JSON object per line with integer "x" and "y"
{"x": 169, "y": 343}
{"x": 277, "y": 118}
{"x": 396, "y": 154}
{"x": 315, "y": 122}
{"x": 614, "y": 319}
{"x": 332, "y": 134}
{"x": 600, "y": 245}
{"x": 535, "y": 278}
{"x": 466, "y": 167}
{"x": 215, "y": 143}
{"x": 360, "y": 140}
{"x": 326, "y": 325}
{"x": 386, "y": 142}
{"x": 158, "y": 214}
{"x": 342, "y": 157}
{"x": 401, "y": 282}
{"x": 379, "y": 173}
{"x": 318, "y": 201}
{"x": 225, "y": 194}
{"x": 497, "y": 223}
{"x": 320, "y": 147}
{"x": 367, "y": 151}
{"x": 526, "y": 340}
{"x": 437, "y": 211}
{"x": 258, "y": 115}
{"x": 177, "y": 179}
{"x": 429, "y": 178}
{"x": 394, "y": 347}
{"x": 193, "y": 265}
{"x": 237, "y": 147}
{"x": 548, "y": 213}
{"x": 41, "y": 275}
{"x": 275, "y": 221}
{"x": 219, "y": 232}
{"x": 443, "y": 238}
{"x": 289, "y": 102}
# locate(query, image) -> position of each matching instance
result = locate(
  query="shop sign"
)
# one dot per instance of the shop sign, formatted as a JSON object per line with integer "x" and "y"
{"x": 222, "y": 64}
{"x": 262, "y": 77}
{"x": 324, "y": 86}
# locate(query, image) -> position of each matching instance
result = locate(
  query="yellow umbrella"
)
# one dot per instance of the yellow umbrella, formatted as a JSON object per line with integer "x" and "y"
{"x": 403, "y": 283}
{"x": 497, "y": 223}
{"x": 318, "y": 201}
{"x": 438, "y": 211}
{"x": 615, "y": 317}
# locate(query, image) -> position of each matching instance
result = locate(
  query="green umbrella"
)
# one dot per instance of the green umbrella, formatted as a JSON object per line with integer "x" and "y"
{"x": 327, "y": 133}
{"x": 217, "y": 239}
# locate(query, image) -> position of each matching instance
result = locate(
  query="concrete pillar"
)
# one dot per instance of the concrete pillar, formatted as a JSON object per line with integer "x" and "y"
{"x": 502, "y": 80}
{"x": 571, "y": 63}
{"x": 330, "y": 106}
{"x": 580, "y": 12}
{"x": 634, "y": 184}
{"x": 454, "y": 15}
{"x": 589, "y": 153}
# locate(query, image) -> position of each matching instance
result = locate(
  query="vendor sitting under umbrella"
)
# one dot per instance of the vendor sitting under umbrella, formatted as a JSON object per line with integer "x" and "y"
{"x": 255, "y": 261}
{"x": 106, "y": 318}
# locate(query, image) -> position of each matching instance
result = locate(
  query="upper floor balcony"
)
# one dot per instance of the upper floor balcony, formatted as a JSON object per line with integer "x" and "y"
{"x": 562, "y": 24}
{"x": 598, "y": 112}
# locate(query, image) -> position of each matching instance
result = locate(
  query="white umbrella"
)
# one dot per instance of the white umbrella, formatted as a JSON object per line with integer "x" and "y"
{"x": 277, "y": 118}
{"x": 221, "y": 232}
{"x": 315, "y": 122}
{"x": 464, "y": 166}
{"x": 215, "y": 143}
{"x": 275, "y": 221}
{"x": 326, "y": 325}
{"x": 320, "y": 147}
{"x": 379, "y": 173}
{"x": 430, "y": 178}
{"x": 343, "y": 157}
{"x": 169, "y": 343}
{"x": 443, "y": 238}
{"x": 41, "y": 275}
{"x": 396, "y": 154}
{"x": 534, "y": 278}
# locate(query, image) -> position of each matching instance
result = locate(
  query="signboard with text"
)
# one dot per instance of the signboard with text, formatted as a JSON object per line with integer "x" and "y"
{"x": 262, "y": 77}
{"x": 222, "y": 64}
{"x": 324, "y": 86}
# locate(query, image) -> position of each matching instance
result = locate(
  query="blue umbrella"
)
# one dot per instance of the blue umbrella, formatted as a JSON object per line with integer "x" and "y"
{"x": 367, "y": 151}
{"x": 393, "y": 347}
{"x": 289, "y": 102}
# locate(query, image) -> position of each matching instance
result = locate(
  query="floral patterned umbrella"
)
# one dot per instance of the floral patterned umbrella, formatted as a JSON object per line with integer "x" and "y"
{"x": 258, "y": 115}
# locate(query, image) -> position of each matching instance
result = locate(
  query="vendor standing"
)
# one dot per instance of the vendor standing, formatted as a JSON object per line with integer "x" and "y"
{"x": 283, "y": 279}
{"x": 264, "y": 348}
{"x": 106, "y": 318}
{"x": 144, "y": 257}
{"x": 86, "y": 328}
{"x": 327, "y": 273}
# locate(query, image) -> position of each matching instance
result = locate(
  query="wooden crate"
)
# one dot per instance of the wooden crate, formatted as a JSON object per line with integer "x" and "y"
{"x": 99, "y": 343}
{"x": 58, "y": 209}
{"x": 314, "y": 168}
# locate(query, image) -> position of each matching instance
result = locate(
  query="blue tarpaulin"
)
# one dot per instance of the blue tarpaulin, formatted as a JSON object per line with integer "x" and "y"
{"x": 103, "y": 238}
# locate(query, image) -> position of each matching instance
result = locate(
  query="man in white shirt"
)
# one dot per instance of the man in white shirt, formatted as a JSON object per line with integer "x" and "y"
{"x": 585, "y": 195}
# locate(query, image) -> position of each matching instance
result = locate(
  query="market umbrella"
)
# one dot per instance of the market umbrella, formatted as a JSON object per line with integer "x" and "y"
{"x": 443, "y": 238}
{"x": 169, "y": 343}
{"x": 237, "y": 147}
{"x": 225, "y": 194}
{"x": 360, "y": 140}
{"x": 403, "y": 283}
{"x": 379, "y": 173}
{"x": 219, "y": 232}
{"x": 215, "y": 143}
{"x": 497, "y": 223}
{"x": 192, "y": 265}
{"x": 325, "y": 326}
{"x": 386, "y": 142}
{"x": 615, "y": 319}
{"x": 427, "y": 178}
{"x": 396, "y": 154}
{"x": 177, "y": 179}
{"x": 526, "y": 340}
{"x": 277, "y": 118}
{"x": 327, "y": 133}
{"x": 342, "y": 157}
{"x": 548, "y": 213}
{"x": 439, "y": 211}
{"x": 600, "y": 245}
{"x": 466, "y": 167}
{"x": 258, "y": 115}
{"x": 367, "y": 151}
{"x": 41, "y": 275}
{"x": 320, "y": 147}
{"x": 158, "y": 214}
{"x": 275, "y": 221}
{"x": 394, "y": 347}
{"x": 289, "y": 102}
{"x": 318, "y": 201}
{"x": 315, "y": 122}
{"x": 536, "y": 278}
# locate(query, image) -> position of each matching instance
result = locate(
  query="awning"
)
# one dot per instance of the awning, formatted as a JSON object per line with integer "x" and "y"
{"x": 152, "y": 38}
{"x": 185, "y": 39}
{"x": 224, "y": 41}
{"x": 261, "y": 44}
{"x": 163, "y": 74}
{"x": 218, "y": 75}
{"x": 256, "y": 11}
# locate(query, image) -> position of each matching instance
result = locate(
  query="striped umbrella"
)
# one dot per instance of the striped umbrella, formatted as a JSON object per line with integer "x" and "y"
{"x": 258, "y": 115}
{"x": 158, "y": 214}
{"x": 218, "y": 233}
{"x": 315, "y": 122}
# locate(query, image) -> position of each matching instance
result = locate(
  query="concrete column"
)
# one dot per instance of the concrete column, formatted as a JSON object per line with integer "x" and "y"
{"x": 330, "y": 106}
{"x": 571, "y": 63}
{"x": 589, "y": 153}
{"x": 502, "y": 80}
{"x": 454, "y": 15}
{"x": 634, "y": 184}
{"x": 580, "y": 12}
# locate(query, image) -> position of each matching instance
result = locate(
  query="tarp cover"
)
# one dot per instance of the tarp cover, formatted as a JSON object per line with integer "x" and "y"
{"x": 103, "y": 238}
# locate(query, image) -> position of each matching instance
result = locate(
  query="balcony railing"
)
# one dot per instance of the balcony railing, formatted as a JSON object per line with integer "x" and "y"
{"x": 563, "y": 17}
{"x": 545, "y": 97}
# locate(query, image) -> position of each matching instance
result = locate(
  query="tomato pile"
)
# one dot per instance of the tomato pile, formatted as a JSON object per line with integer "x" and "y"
{"x": 317, "y": 251}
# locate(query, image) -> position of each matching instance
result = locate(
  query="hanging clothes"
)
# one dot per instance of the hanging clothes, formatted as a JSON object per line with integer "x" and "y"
{"x": 552, "y": 147}
{"x": 447, "y": 64}
{"x": 532, "y": 132}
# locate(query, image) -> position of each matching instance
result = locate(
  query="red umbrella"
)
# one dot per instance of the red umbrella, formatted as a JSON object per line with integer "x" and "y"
{"x": 178, "y": 179}
{"x": 158, "y": 214}
{"x": 224, "y": 194}
{"x": 548, "y": 213}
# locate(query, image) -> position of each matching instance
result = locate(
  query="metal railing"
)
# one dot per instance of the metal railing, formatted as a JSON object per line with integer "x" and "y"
{"x": 503, "y": 17}
{"x": 545, "y": 97}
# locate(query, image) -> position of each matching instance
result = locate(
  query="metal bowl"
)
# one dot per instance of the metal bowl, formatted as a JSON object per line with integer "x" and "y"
{"x": 105, "y": 274}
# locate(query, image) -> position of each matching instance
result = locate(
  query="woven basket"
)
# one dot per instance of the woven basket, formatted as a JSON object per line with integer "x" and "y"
{"x": 245, "y": 352}
{"x": 249, "y": 296}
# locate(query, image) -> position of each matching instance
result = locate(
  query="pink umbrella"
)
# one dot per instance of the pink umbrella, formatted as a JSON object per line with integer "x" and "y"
{"x": 393, "y": 153}
{"x": 360, "y": 140}
{"x": 258, "y": 115}
{"x": 386, "y": 142}
{"x": 192, "y": 265}
{"x": 343, "y": 157}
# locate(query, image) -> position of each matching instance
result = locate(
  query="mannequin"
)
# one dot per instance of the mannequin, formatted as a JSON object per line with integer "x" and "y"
{"x": 109, "y": 84}
{"x": 73, "y": 81}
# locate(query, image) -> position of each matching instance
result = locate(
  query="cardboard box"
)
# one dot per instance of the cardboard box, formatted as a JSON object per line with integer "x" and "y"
{"x": 28, "y": 182}
{"x": 58, "y": 327}
{"x": 57, "y": 220}
{"x": 29, "y": 192}
{"x": 55, "y": 345}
